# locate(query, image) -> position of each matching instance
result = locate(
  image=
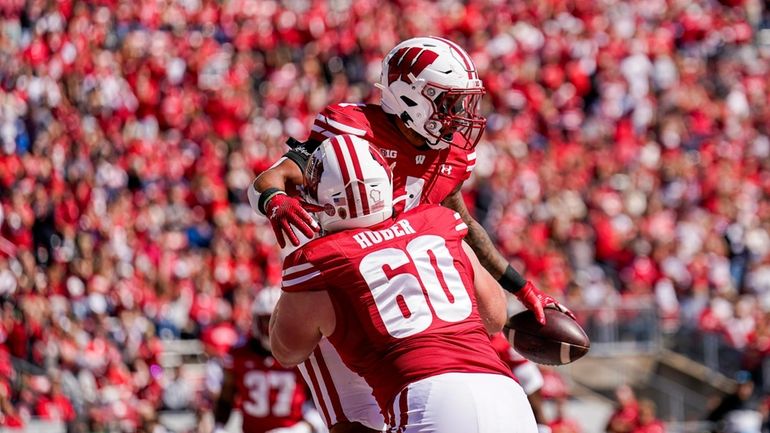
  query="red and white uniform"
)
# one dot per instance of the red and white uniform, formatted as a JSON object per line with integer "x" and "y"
{"x": 423, "y": 175}
{"x": 268, "y": 395}
{"x": 405, "y": 309}
{"x": 525, "y": 371}
{"x": 420, "y": 176}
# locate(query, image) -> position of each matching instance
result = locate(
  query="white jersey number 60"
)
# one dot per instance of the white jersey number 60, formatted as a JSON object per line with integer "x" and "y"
{"x": 401, "y": 300}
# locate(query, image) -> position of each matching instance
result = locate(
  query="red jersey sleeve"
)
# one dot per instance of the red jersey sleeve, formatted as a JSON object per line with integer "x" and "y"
{"x": 340, "y": 119}
{"x": 301, "y": 275}
{"x": 451, "y": 223}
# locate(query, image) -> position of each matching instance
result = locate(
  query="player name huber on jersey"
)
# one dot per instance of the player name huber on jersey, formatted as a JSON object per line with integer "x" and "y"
{"x": 368, "y": 238}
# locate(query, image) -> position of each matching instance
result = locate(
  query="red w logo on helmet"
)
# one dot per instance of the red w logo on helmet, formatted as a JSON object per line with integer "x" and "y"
{"x": 409, "y": 60}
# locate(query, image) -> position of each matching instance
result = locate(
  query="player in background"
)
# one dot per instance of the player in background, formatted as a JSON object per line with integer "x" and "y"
{"x": 403, "y": 300}
{"x": 271, "y": 398}
{"x": 426, "y": 128}
{"x": 528, "y": 375}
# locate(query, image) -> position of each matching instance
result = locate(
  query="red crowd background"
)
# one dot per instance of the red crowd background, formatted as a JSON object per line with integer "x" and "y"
{"x": 626, "y": 157}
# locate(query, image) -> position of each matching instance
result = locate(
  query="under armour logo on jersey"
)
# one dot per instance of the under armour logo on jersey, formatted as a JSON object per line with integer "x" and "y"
{"x": 389, "y": 153}
{"x": 408, "y": 63}
{"x": 419, "y": 159}
{"x": 446, "y": 169}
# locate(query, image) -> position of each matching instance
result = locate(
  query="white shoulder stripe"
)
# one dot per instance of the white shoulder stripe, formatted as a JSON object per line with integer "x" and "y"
{"x": 340, "y": 126}
{"x": 458, "y": 217}
{"x": 322, "y": 131}
{"x": 461, "y": 226}
{"x": 297, "y": 268}
{"x": 472, "y": 156}
{"x": 470, "y": 167}
{"x": 294, "y": 282}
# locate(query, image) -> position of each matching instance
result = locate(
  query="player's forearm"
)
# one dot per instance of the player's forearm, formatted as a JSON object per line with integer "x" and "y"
{"x": 477, "y": 237}
{"x": 222, "y": 408}
{"x": 277, "y": 178}
{"x": 221, "y": 414}
{"x": 224, "y": 403}
{"x": 485, "y": 249}
{"x": 491, "y": 259}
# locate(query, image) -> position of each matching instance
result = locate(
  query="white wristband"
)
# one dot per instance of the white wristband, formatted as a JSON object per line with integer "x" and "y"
{"x": 253, "y": 195}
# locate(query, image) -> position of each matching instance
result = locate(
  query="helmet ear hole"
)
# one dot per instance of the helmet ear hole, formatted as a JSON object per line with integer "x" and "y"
{"x": 408, "y": 101}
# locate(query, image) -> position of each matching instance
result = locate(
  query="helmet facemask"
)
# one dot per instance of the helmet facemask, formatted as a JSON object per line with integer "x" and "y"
{"x": 432, "y": 85}
{"x": 455, "y": 115}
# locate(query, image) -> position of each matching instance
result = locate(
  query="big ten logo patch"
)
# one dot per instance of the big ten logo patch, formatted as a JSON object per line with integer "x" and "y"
{"x": 389, "y": 153}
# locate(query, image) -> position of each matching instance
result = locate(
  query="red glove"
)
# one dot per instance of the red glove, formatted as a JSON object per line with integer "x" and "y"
{"x": 535, "y": 301}
{"x": 284, "y": 212}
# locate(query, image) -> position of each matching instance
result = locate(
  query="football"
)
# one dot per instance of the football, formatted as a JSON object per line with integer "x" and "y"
{"x": 560, "y": 341}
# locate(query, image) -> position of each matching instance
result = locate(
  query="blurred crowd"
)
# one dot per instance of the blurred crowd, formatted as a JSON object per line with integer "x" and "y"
{"x": 626, "y": 158}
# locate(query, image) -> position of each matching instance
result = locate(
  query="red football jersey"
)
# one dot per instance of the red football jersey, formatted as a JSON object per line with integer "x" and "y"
{"x": 422, "y": 175}
{"x": 268, "y": 395}
{"x": 403, "y": 297}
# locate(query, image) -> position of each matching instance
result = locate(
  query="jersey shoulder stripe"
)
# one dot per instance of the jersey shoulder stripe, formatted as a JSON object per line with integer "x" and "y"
{"x": 341, "y": 119}
{"x": 299, "y": 274}
{"x": 300, "y": 279}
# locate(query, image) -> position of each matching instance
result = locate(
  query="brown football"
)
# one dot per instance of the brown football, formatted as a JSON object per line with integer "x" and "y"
{"x": 560, "y": 341}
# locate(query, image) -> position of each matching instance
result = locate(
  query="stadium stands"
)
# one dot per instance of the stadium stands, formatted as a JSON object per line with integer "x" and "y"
{"x": 626, "y": 161}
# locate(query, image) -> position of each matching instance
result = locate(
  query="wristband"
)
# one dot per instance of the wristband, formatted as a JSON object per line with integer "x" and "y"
{"x": 253, "y": 196}
{"x": 265, "y": 197}
{"x": 511, "y": 281}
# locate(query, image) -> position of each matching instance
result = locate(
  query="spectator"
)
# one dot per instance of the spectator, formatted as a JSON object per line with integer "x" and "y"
{"x": 177, "y": 391}
{"x": 9, "y": 416}
{"x": 648, "y": 422}
{"x": 55, "y": 406}
{"x": 738, "y": 412}
{"x": 560, "y": 422}
{"x": 626, "y": 415}
{"x": 626, "y": 159}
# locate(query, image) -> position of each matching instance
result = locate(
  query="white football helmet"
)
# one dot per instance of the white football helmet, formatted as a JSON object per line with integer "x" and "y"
{"x": 351, "y": 181}
{"x": 261, "y": 310}
{"x": 433, "y": 86}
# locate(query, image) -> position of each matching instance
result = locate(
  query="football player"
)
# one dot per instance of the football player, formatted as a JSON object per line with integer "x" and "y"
{"x": 402, "y": 299}
{"x": 270, "y": 397}
{"x": 526, "y": 372}
{"x": 426, "y": 127}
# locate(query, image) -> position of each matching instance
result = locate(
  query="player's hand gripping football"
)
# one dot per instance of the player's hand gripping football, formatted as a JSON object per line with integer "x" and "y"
{"x": 535, "y": 301}
{"x": 284, "y": 212}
